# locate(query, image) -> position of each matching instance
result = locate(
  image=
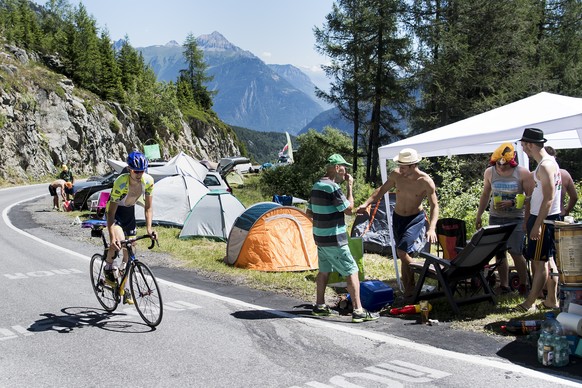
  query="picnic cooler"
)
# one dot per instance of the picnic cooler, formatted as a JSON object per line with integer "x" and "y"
{"x": 568, "y": 239}
{"x": 375, "y": 295}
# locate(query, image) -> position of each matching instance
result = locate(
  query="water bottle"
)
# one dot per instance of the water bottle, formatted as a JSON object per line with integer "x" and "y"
{"x": 542, "y": 341}
{"x": 547, "y": 342}
{"x": 551, "y": 325}
{"x": 561, "y": 351}
{"x": 522, "y": 327}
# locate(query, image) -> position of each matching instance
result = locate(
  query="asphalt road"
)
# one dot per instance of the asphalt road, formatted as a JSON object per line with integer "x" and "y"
{"x": 54, "y": 333}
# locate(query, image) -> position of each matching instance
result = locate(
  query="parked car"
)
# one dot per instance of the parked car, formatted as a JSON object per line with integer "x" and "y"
{"x": 90, "y": 190}
{"x": 226, "y": 165}
{"x": 83, "y": 190}
{"x": 214, "y": 181}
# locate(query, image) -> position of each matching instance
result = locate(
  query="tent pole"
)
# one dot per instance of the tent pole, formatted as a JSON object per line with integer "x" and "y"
{"x": 384, "y": 174}
{"x": 521, "y": 156}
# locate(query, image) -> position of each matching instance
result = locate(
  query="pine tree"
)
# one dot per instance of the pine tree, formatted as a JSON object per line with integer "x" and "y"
{"x": 84, "y": 50}
{"x": 368, "y": 60}
{"x": 108, "y": 79}
{"x": 195, "y": 75}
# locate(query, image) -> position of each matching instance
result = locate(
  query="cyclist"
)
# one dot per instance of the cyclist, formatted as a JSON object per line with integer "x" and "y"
{"x": 126, "y": 191}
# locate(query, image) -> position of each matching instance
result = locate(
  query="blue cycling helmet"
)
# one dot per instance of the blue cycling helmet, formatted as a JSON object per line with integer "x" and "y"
{"x": 137, "y": 161}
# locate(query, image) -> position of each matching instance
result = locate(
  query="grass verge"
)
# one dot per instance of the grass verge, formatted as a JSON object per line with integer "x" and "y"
{"x": 206, "y": 256}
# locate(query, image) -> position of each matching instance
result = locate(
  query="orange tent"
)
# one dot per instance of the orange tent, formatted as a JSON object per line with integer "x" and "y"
{"x": 271, "y": 237}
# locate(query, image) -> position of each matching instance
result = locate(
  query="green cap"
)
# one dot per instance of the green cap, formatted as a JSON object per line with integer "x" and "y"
{"x": 338, "y": 159}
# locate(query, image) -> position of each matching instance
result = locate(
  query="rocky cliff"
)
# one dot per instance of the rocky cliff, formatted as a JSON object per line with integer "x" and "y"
{"x": 45, "y": 120}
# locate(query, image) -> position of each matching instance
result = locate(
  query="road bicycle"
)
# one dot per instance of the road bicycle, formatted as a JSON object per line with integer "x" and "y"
{"x": 142, "y": 282}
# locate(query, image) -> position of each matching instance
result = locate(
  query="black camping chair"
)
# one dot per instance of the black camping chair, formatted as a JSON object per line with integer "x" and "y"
{"x": 469, "y": 262}
{"x": 452, "y": 236}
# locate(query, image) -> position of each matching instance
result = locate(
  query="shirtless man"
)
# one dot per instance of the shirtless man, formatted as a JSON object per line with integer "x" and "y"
{"x": 408, "y": 221}
{"x": 54, "y": 186}
{"x": 127, "y": 189}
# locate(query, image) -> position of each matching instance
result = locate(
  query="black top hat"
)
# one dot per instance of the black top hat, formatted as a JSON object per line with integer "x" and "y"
{"x": 533, "y": 135}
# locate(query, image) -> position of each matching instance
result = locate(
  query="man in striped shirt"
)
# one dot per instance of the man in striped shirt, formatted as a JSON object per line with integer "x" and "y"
{"x": 328, "y": 207}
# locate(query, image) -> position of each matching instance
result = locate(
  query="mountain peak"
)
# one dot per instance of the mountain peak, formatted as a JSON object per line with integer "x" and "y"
{"x": 172, "y": 43}
{"x": 215, "y": 41}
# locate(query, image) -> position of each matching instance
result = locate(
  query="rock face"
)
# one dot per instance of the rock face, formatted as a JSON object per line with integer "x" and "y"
{"x": 46, "y": 121}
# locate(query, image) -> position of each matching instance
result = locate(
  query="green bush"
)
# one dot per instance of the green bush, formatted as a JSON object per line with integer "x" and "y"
{"x": 458, "y": 198}
{"x": 310, "y": 160}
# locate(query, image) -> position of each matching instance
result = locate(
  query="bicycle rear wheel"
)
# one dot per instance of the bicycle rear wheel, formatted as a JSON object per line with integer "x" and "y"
{"x": 146, "y": 294}
{"x": 106, "y": 295}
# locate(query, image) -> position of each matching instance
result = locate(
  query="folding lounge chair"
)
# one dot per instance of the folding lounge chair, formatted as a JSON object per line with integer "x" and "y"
{"x": 102, "y": 203}
{"x": 469, "y": 263}
{"x": 452, "y": 236}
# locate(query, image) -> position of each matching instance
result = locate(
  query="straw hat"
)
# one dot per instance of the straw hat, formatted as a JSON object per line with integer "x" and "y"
{"x": 407, "y": 156}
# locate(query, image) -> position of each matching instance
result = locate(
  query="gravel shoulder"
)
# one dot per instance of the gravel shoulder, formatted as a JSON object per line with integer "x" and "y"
{"x": 63, "y": 226}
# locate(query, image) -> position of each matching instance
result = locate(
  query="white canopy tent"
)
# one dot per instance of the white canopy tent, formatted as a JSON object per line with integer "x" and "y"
{"x": 181, "y": 164}
{"x": 560, "y": 117}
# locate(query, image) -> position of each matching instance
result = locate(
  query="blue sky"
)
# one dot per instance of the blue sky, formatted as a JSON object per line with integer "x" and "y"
{"x": 277, "y": 31}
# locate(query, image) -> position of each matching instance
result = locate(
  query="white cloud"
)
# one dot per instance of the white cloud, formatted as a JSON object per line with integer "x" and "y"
{"x": 266, "y": 54}
{"x": 312, "y": 69}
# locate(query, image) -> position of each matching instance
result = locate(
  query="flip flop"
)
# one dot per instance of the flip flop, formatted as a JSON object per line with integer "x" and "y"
{"x": 522, "y": 310}
{"x": 542, "y": 307}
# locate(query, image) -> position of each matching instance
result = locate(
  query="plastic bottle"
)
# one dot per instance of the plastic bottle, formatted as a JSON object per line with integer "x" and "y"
{"x": 550, "y": 329}
{"x": 408, "y": 309}
{"x": 551, "y": 325}
{"x": 561, "y": 351}
{"x": 522, "y": 327}
{"x": 542, "y": 341}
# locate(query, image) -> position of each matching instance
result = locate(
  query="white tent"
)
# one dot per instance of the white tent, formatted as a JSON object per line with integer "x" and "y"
{"x": 560, "y": 118}
{"x": 180, "y": 164}
{"x": 116, "y": 165}
{"x": 213, "y": 216}
{"x": 174, "y": 196}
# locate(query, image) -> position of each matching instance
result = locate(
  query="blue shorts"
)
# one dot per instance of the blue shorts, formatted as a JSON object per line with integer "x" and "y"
{"x": 409, "y": 232}
{"x": 515, "y": 242}
{"x": 337, "y": 259}
{"x": 544, "y": 248}
{"x": 125, "y": 217}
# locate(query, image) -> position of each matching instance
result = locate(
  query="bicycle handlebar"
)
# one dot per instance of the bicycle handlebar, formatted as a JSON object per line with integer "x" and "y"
{"x": 132, "y": 239}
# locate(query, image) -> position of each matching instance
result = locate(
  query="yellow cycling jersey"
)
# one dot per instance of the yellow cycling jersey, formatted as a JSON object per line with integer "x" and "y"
{"x": 121, "y": 188}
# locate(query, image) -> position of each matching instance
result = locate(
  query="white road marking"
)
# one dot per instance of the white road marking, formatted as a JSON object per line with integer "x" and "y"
{"x": 379, "y": 337}
{"x": 407, "y": 372}
{"x": 41, "y": 274}
{"x": 21, "y": 330}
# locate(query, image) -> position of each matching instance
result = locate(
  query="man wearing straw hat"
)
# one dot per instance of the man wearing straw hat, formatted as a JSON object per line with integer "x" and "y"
{"x": 408, "y": 222}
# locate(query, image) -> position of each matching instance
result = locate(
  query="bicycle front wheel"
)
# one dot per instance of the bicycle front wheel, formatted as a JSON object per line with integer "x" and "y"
{"x": 146, "y": 294}
{"x": 106, "y": 295}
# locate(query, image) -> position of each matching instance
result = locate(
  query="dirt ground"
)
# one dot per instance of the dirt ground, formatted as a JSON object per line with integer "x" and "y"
{"x": 64, "y": 224}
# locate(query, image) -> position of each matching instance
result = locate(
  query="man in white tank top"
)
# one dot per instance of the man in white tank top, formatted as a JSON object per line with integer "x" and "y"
{"x": 544, "y": 208}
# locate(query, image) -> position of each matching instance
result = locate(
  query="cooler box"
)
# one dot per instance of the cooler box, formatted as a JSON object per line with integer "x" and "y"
{"x": 375, "y": 294}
